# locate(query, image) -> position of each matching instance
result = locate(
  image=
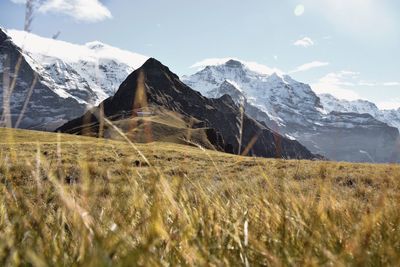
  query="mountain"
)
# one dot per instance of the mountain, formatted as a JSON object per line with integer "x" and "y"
{"x": 278, "y": 95}
{"x": 26, "y": 101}
{"x": 70, "y": 77}
{"x": 331, "y": 103}
{"x": 294, "y": 110}
{"x": 154, "y": 86}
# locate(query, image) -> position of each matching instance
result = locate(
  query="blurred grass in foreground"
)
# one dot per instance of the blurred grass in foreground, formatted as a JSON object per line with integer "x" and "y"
{"x": 77, "y": 201}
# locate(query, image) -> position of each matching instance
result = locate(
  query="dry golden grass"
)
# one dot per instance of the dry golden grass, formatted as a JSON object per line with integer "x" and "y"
{"x": 78, "y": 201}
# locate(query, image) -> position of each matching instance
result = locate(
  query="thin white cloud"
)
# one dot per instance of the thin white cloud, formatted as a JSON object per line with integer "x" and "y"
{"x": 376, "y": 84}
{"x": 254, "y": 66}
{"x": 366, "y": 83}
{"x": 341, "y": 84}
{"x": 308, "y": 66}
{"x": 81, "y": 10}
{"x": 391, "y": 84}
{"x": 336, "y": 84}
{"x": 304, "y": 42}
{"x": 371, "y": 19}
{"x": 393, "y": 104}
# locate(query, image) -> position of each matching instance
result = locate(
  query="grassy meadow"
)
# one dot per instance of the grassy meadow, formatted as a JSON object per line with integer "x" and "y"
{"x": 78, "y": 201}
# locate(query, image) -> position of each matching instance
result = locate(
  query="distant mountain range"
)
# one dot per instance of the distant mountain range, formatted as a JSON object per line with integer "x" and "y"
{"x": 69, "y": 79}
{"x": 293, "y": 109}
{"x": 330, "y": 103}
{"x": 154, "y": 87}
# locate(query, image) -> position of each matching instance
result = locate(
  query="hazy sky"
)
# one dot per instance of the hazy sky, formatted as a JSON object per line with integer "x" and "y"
{"x": 350, "y": 48}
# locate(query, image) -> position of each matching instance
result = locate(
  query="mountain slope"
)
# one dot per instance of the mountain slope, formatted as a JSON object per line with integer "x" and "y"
{"x": 294, "y": 110}
{"x": 154, "y": 85}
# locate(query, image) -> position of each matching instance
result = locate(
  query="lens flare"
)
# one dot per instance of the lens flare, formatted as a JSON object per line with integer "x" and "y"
{"x": 299, "y": 10}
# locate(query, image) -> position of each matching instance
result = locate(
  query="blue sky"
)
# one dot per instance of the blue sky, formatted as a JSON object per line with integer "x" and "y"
{"x": 349, "y": 48}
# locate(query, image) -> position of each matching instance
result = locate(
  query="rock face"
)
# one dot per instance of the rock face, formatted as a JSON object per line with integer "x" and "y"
{"x": 70, "y": 78}
{"x": 295, "y": 111}
{"x": 163, "y": 88}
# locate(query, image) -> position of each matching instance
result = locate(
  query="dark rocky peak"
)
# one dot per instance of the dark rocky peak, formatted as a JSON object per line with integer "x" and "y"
{"x": 234, "y": 64}
{"x": 161, "y": 87}
{"x": 154, "y": 64}
{"x": 153, "y": 71}
{"x": 154, "y": 67}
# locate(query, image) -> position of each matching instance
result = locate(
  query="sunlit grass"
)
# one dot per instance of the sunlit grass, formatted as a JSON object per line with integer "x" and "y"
{"x": 77, "y": 201}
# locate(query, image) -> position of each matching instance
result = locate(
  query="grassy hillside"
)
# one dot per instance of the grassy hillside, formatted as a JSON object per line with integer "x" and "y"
{"x": 162, "y": 126}
{"x": 79, "y": 201}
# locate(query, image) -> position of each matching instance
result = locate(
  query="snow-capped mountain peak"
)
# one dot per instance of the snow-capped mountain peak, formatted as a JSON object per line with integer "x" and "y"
{"x": 238, "y": 63}
{"x": 70, "y": 77}
{"x": 87, "y": 73}
{"x": 273, "y": 93}
{"x": 68, "y": 52}
{"x": 292, "y": 108}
